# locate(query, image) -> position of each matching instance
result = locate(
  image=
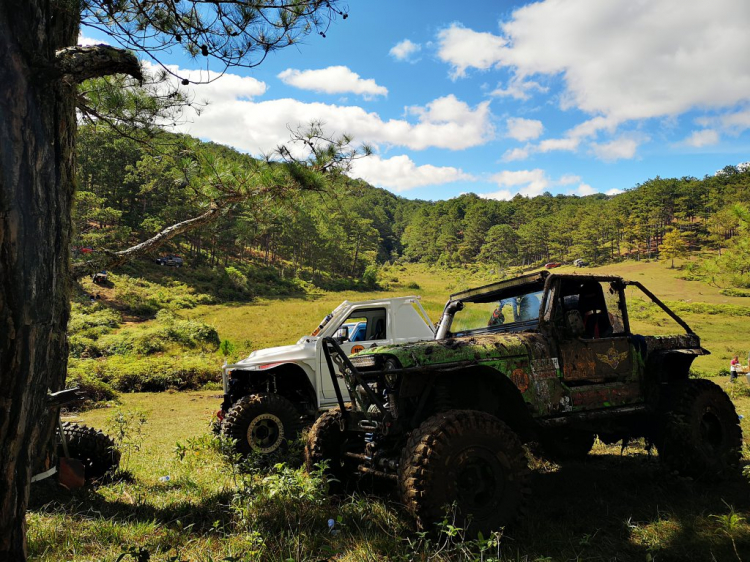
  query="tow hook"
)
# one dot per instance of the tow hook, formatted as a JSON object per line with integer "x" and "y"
{"x": 370, "y": 425}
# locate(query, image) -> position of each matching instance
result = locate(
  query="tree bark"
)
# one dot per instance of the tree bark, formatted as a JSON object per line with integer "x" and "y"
{"x": 37, "y": 129}
{"x": 37, "y": 137}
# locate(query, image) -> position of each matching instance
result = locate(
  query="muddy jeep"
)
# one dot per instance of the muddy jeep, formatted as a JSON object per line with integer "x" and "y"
{"x": 542, "y": 358}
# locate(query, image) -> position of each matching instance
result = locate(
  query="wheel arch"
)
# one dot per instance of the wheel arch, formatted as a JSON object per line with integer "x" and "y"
{"x": 488, "y": 390}
{"x": 290, "y": 380}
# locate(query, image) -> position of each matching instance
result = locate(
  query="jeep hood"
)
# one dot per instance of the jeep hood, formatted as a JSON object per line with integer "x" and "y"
{"x": 485, "y": 347}
{"x": 303, "y": 350}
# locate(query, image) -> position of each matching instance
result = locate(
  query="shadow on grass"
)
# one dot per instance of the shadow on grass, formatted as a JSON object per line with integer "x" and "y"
{"x": 613, "y": 507}
{"x": 608, "y": 507}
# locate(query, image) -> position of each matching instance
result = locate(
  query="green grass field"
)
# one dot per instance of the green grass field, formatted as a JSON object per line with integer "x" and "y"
{"x": 617, "y": 505}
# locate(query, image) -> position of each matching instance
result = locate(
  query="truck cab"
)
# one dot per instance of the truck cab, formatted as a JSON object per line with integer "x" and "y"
{"x": 272, "y": 393}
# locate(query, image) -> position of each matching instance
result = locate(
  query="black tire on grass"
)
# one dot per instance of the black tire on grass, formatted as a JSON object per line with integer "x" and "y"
{"x": 93, "y": 448}
{"x": 261, "y": 423}
{"x": 327, "y": 443}
{"x": 468, "y": 458}
{"x": 700, "y": 435}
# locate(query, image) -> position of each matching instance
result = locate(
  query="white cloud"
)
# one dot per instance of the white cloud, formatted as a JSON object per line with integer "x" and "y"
{"x": 621, "y": 59}
{"x": 701, "y": 138}
{"x": 401, "y": 173}
{"x": 232, "y": 118}
{"x": 736, "y": 122}
{"x": 618, "y": 149}
{"x": 516, "y": 154}
{"x": 530, "y": 182}
{"x": 214, "y": 87}
{"x": 500, "y": 195}
{"x": 569, "y": 179}
{"x": 567, "y": 144}
{"x": 332, "y": 80}
{"x": 84, "y": 41}
{"x": 463, "y": 48}
{"x": 585, "y": 189}
{"x": 524, "y": 129}
{"x": 615, "y": 191}
{"x": 403, "y": 50}
{"x": 518, "y": 88}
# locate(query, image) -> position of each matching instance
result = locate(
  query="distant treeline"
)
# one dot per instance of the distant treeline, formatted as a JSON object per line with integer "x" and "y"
{"x": 128, "y": 191}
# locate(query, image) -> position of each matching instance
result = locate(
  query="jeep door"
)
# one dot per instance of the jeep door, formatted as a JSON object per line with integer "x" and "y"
{"x": 599, "y": 364}
{"x": 369, "y": 327}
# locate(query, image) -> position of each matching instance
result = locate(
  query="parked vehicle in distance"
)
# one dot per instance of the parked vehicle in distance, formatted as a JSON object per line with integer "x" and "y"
{"x": 170, "y": 259}
{"x": 580, "y": 263}
{"x": 272, "y": 394}
{"x": 445, "y": 420}
{"x": 100, "y": 277}
{"x": 552, "y": 264}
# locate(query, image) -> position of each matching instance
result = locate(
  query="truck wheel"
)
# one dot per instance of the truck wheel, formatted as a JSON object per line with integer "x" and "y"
{"x": 93, "y": 448}
{"x": 327, "y": 443}
{"x": 570, "y": 445}
{"x": 468, "y": 458}
{"x": 262, "y": 423}
{"x": 701, "y": 435}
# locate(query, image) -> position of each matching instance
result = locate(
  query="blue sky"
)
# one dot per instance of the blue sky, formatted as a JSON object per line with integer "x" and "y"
{"x": 499, "y": 98}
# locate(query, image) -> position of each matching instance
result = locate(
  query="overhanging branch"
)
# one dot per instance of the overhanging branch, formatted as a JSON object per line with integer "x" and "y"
{"x": 76, "y": 64}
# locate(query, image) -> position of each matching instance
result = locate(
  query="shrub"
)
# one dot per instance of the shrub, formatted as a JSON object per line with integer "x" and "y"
{"x": 148, "y": 374}
{"x": 95, "y": 389}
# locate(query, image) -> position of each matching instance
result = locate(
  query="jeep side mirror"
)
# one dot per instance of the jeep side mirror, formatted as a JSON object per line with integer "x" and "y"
{"x": 342, "y": 334}
{"x": 574, "y": 320}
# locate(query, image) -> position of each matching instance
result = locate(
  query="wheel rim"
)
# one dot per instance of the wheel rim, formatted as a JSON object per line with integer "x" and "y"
{"x": 480, "y": 482}
{"x": 265, "y": 433}
{"x": 711, "y": 432}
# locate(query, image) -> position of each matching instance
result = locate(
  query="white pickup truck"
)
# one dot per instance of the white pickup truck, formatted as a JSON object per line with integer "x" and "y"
{"x": 269, "y": 396}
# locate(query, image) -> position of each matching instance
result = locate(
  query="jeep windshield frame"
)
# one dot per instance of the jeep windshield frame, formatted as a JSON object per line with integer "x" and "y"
{"x": 502, "y": 293}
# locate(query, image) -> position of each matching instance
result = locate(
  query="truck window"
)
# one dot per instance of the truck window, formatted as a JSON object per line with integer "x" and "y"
{"x": 366, "y": 325}
{"x": 592, "y": 308}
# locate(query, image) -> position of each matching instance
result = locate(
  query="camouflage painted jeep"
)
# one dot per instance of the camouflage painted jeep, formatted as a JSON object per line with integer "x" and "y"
{"x": 543, "y": 357}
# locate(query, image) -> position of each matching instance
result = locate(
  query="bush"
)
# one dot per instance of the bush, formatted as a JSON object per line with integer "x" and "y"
{"x": 95, "y": 390}
{"x": 147, "y": 374}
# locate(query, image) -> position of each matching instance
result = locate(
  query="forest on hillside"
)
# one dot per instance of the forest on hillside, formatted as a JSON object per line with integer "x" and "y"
{"x": 331, "y": 226}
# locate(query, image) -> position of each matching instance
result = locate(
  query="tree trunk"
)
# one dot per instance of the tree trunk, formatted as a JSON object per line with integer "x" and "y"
{"x": 37, "y": 130}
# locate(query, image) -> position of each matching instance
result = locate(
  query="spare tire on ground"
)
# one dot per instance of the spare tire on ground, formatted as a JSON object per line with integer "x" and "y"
{"x": 93, "y": 448}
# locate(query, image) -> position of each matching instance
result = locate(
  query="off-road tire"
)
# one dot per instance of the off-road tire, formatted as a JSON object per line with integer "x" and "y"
{"x": 261, "y": 423}
{"x": 327, "y": 443}
{"x": 566, "y": 445}
{"x": 470, "y": 458}
{"x": 700, "y": 435}
{"x": 93, "y": 448}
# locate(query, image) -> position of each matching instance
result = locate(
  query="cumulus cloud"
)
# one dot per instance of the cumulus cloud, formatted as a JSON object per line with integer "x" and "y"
{"x": 524, "y": 129}
{"x": 516, "y": 154}
{"x": 650, "y": 59}
{"x": 206, "y": 86}
{"x": 564, "y": 144}
{"x": 232, "y": 117}
{"x": 568, "y": 179}
{"x": 518, "y": 88}
{"x": 618, "y": 149}
{"x": 527, "y": 182}
{"x": 531, "y": 183}
{"x": 585, "y": 189}
{"x": 84, "y": 41}
{"x": 332, "y": 80}
{"x": 615, "y": 191}
{"x": 403, "y": 50}
{"x": 705, "y": 137}
{"x": 400, "y": 173}
{"x": 464, "y": 48}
